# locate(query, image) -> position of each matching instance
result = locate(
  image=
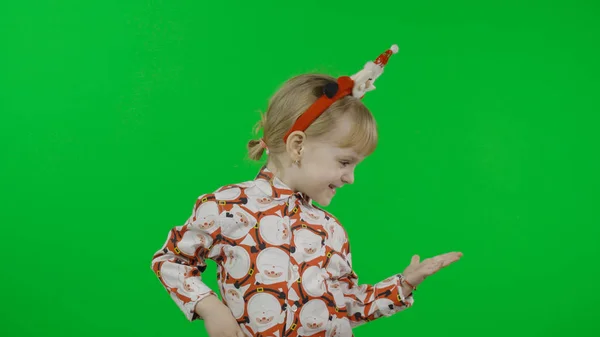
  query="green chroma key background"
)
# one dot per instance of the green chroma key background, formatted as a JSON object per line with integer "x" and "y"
{"x": 116, "y": 115}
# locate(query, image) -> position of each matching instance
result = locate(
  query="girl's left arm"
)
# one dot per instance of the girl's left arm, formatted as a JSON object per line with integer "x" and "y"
{"x": 365, "y": 302}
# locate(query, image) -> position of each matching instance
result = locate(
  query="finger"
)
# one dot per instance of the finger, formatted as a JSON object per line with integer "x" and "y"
{"x": 436, "y": 260}
{"x": 415, "y": 260}
{"x": 455, "y": 256}
{"x": 450, "y": 258}
{"x": 452, "y": 254}
{"x": 433, "y": 264}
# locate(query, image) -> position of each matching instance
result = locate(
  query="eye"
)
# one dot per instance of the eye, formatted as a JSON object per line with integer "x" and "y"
{"x": 344, "y": 163}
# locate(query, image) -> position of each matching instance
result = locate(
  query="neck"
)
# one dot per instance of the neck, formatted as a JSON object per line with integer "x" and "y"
{"x": 277, "y": 169}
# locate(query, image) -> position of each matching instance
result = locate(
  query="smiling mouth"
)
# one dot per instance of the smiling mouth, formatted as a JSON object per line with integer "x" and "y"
{"x": 333, "y": 188}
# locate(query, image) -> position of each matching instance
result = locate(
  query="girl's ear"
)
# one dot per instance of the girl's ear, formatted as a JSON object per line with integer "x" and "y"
{"x": 295, "y": 144}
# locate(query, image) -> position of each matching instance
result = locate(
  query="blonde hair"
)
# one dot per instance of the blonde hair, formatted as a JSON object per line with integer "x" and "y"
{"x": 298, "y": 94}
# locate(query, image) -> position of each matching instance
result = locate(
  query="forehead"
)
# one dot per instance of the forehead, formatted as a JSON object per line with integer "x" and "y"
{"x": 330, "y": 146}
{"x": 339, "y": 133}
{"x": 347, "y": 153}
{"x": 335, "y": 135}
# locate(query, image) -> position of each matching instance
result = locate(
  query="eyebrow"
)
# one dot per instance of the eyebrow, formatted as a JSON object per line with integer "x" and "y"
{"x": 350, "y": 157}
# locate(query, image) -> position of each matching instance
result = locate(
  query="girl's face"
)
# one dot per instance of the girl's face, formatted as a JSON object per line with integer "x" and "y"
{"x": 324, "y": 167}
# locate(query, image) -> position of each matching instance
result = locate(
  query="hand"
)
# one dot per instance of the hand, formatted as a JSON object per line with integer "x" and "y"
{"x": 218, "y": 320}
{"x": 417, "y": 271}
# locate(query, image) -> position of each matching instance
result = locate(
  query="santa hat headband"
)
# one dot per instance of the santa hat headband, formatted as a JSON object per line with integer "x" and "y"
{"x": 356, "y": 85}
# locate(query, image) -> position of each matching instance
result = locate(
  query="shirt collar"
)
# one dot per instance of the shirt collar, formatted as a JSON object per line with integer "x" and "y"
{"x": 279, "y": 190}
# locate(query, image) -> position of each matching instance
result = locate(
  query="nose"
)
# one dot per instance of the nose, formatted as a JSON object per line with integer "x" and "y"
{"x": 348, "y": 177}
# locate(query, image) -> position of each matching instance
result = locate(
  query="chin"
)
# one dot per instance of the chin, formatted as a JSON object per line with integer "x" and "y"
{"x": 323, "y": 204}
{"x": 323, "y": 201}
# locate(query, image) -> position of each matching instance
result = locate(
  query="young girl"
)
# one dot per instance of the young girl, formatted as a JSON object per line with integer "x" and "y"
{"x": 284, "y": 264}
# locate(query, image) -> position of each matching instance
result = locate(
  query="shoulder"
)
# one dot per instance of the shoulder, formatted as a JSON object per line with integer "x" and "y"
{"x": 231, "y": 193}
{"x": 250, "y": 195}
{"x": 223, "y": 203}
{"x": 328, "y": 215}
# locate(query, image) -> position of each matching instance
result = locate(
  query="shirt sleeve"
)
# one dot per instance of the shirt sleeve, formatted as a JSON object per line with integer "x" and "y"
{"x": 365, "y": 302}
{"x": 180, "y": 262}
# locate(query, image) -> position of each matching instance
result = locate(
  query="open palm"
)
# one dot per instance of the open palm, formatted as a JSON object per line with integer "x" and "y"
{"x": 418, "y": 270}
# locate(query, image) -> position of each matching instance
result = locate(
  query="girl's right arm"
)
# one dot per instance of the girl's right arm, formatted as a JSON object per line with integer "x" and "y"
{"x": 218, "y": 320}
{"x": 179, "y": 265}
{"x": 180, "y": 262}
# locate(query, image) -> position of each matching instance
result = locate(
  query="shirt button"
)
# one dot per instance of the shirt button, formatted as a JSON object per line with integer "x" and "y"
{"x": 295, "y": 267}
{"x": 294, "y": 308}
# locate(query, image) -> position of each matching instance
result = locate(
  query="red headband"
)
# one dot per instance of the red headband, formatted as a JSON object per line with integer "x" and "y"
{"x": 356, "y": 85}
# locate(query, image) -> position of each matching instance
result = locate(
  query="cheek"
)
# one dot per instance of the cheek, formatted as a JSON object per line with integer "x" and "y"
{"x": 315, "y": 180}
{"x": 322, "y": 167}
{"x": 323, "y": 176}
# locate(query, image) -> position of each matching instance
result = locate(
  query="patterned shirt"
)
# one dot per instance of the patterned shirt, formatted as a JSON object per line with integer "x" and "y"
{"x": 284, "y": 264}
